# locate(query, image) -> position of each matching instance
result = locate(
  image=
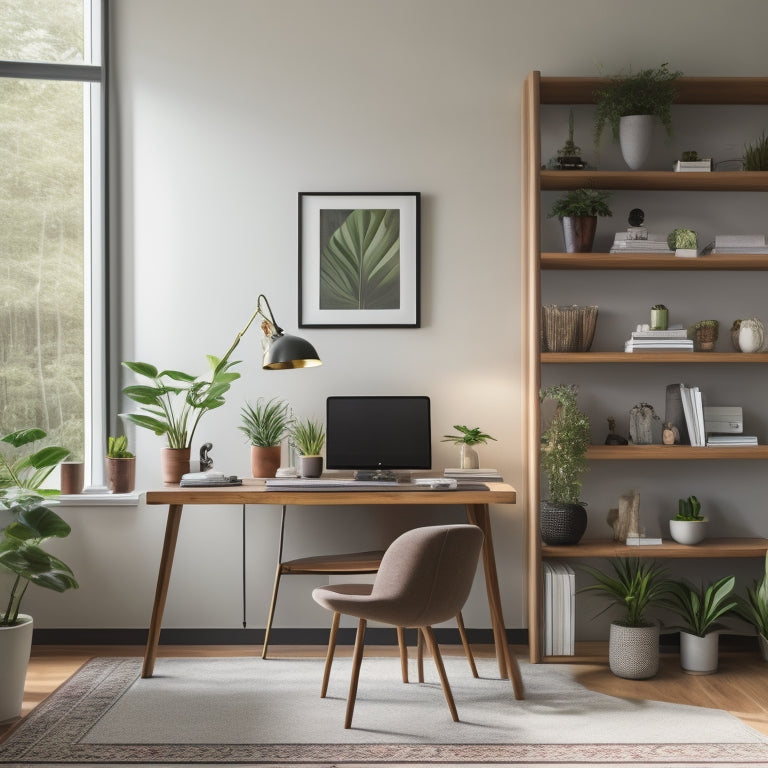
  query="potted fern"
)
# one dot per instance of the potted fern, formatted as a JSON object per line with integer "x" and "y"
{"x": 701, "y": 609}
{"x": 265, "y": 424}
{"x": 631, "y": 105}
{"x": 635, "y": 585}
{"x": 564, "y": 443}
{"x": 309, "y": 438}
{"x": 119, "y": 465}
{"x": 578, "y": 211}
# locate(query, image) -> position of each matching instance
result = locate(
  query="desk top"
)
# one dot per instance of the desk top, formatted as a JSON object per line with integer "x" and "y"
{"x": 256, "y": 492}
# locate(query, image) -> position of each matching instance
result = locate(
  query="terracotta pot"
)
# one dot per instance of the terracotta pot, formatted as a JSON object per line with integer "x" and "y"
{"x": 72, "y": 477}
{"x": 579, "y": 233}
{"x": 15, "y": 647}
{"x": 265, "y": 460}
{"x": 174, "y": 462}
{"x": 120, "y": 474}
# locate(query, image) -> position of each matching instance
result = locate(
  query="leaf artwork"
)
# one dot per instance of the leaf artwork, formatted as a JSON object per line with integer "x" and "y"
{"x": 360, "y": 261}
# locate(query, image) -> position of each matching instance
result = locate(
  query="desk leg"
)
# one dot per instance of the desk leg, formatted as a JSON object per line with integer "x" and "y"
{"x": 477, "y": 514}
{"x": 161, "y": 591}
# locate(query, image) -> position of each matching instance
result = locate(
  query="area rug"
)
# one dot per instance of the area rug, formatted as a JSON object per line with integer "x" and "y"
{"x": 250, "y": 711}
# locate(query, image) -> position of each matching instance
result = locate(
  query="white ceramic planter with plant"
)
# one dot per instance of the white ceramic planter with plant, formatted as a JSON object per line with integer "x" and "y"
{"x": 754, "y": 609}
{"x": 466, "y": 440}
{"x": 701, "y": 609}
{"x": 634, "y": 585}
{"x": 688, "y": 526}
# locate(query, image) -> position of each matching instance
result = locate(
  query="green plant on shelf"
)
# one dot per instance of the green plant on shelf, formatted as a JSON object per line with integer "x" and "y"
{"x": 689, "y": 509}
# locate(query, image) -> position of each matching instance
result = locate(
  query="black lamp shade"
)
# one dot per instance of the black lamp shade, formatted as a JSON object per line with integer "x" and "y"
{"x": 286, "y": 351}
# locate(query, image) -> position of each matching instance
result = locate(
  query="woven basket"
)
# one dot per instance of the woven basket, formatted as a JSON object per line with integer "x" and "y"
{"x": 567, "y": 328}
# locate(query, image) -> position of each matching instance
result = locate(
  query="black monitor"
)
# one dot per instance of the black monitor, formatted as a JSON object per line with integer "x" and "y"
{"x": 375, "y": 434}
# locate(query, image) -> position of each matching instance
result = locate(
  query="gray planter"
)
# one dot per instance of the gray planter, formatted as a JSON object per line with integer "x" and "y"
{"x": 633, "y": 652}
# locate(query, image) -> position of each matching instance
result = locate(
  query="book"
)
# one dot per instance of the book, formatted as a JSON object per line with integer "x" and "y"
{"x": 668, "y": 333}
{"x": 740, "y": 244}
{"x": 659, "y": 345}
{"x": 639, "y": 541}
{"x": 477, "y": 475}
{"x": 705, "y": 164}
{"x": 694, "y": 414}
{"x": 722, "y": 440}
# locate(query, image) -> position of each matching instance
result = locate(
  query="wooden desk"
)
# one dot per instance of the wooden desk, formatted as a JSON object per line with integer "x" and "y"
{"x": 255, "y": 492}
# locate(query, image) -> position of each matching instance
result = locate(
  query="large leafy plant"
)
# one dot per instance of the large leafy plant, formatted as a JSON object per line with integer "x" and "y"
{"x": 174, "y": 402}
{"x": 582, "y": 202}
{"x": 25, "y": 470}
{"x": 360, "y": 265}
{"x": 635, "y": 586}
{"x": 700, "y": 608}
{"x": 754, "y": 607}
{"x": 564, "y": 445}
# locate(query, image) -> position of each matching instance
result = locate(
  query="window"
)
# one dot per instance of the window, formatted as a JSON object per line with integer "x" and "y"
{"x": 52, "y": 256}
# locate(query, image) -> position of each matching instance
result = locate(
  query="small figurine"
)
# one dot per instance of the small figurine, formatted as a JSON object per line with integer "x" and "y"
{"x": 206, "y": 462}
{"x": 613, "y": 438}
{"x": 670, "y": 435}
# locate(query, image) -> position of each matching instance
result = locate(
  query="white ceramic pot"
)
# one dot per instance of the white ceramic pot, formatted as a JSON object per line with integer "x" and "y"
{"x": 15, "y": 647}
{"x": 751, "y": 335}
{"x": 635, "y": 137}
{"x": 633, "y": 652}
{"x": 688, "y": 531}
{"x": 698, "y": 655}
{"x": 468, "y": 458}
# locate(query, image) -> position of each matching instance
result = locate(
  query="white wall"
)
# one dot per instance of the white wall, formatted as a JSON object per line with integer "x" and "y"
{"x": 223, "y": 111}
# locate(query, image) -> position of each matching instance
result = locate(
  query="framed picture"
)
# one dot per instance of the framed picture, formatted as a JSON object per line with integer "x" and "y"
{"x": 359, "y": 258}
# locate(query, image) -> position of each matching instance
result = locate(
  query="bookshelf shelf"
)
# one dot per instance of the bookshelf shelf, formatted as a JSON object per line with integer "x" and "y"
{"x": 541, "y": 266}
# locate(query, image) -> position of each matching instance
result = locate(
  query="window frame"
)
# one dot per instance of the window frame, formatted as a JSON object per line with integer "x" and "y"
{"x": 98, "y": 395}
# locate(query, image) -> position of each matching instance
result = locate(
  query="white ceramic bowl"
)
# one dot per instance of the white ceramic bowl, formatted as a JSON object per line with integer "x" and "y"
{"x": 688, "y": 531}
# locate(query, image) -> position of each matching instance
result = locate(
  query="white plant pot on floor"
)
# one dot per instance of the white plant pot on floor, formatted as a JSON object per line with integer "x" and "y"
{"x": 15, "y": 647}
{"x": 698, "y": 655}
{"x": 635, "y": 137}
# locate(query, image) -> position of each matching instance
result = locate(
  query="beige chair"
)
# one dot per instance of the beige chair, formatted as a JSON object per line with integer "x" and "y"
{"x": 424, "y": 578}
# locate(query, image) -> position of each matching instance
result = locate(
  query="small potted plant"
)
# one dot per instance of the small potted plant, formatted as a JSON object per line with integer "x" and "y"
{"x": 564, "y": 443}
{"x": 754, "y": 608}
{"x": 688, "y": 526}
{"x": 265, "y": 424}
{"x": 120, "y": 465}
{"x": 659, "y": 317}
{"x": 705, "y": 334}
{"x": 630, "y": 105}
{"x": 756, "y": 155}
{"x": 635, "y": 585}
{"x": 309, "y": 438}
{"x": 578, "y": 211}
{"x": 701, "y": 609}
{"x": 467, "y": 438}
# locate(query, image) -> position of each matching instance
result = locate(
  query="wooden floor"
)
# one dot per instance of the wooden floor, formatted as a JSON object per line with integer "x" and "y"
{"x": 739, "y": 686}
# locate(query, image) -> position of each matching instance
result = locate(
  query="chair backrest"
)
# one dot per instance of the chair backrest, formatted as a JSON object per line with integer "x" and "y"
{"x": 426, "y": 574}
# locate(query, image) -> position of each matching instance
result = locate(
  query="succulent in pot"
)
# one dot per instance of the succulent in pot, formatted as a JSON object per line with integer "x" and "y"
{"x": 688, "y": 526}
{"x": 119, "y": 465}
{"x": 265, "y": 424}
{"x": 564, "y": 443}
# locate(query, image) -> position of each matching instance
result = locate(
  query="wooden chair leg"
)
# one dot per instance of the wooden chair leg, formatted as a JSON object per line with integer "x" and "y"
{"x": 271, "y": 615}
{"x": 429, "y": 637}
{"x": 329, "y": 654}
{"x": 465, "y": 643}
{"x": 420, "y": 655}
{"x": 357, "y": 660}
{"x": 403, "y": 653}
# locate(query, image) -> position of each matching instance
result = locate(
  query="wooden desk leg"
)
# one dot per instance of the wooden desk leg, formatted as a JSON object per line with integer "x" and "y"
{"x": 161, "y": 591}
{"x": 477, "y": 514}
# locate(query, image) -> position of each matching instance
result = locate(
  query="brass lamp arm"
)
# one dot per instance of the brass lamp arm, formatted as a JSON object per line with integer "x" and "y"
{"x": 259, "y": 311}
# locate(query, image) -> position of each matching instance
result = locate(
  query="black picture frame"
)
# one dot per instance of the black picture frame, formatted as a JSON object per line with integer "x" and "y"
{"x": 359, "y": 259}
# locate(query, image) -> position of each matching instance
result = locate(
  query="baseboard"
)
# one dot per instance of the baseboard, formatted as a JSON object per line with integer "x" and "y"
{"x": 278, "y": 636}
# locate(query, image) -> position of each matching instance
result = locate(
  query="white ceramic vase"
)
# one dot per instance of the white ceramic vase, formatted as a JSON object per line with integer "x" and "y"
{"x": 688, "y": 531}
{"x": 751, "y": 335}
{"x": 468, "y": 458}
{"x": 635, "y": 137}
{"x": 15, "y": 647}
{"x": 698, "y": 655}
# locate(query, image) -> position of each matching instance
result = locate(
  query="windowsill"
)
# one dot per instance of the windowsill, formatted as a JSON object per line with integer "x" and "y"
{"x": 101, "y": 499}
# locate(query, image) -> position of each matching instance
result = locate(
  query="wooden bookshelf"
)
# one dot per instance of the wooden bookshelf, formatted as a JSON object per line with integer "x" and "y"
{"x": 716, "y": 548}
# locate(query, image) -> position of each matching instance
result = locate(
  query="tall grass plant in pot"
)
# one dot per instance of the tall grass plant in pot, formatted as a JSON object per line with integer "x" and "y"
{"x": 265, "y": 424}
{"x": 309, "y": 438}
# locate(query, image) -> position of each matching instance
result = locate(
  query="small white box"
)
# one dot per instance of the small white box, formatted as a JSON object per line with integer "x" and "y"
{"x": 723, "y": 419}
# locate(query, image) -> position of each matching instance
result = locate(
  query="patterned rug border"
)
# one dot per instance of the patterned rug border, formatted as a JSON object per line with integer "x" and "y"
{"x": 52, "y": 733}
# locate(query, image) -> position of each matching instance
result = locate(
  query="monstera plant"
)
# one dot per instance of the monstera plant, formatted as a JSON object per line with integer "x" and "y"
{"x": 360, "y": 265}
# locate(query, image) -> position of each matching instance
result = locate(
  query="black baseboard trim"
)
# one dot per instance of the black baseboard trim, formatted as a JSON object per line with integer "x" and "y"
{"x": 304, "y": 636}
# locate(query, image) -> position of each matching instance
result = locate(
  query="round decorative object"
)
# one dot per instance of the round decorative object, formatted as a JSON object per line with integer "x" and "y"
{"x": 751, "y": 335}
{"x": 562, "y": 523}
{"x": 633, "y": 652}
{"x": 688, "y": 531}
{"x": 635, "y": 136}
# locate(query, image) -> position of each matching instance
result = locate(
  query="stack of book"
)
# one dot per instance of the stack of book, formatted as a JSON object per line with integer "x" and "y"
{"x": 475, "y": 475}
{"x": 559, "y": 608}
{"x": 675, "y": 339}
{"x": 705, "y": 164}
{"x": 740, "y": 244}
{"x": 653, "y": 244}
{"x": 693, "y": 410}
{"x": 722, "y": 440}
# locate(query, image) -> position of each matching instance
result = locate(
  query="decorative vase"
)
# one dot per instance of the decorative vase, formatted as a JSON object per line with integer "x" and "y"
{"x": 468, "y": 458}
{"x": 174, "y": 462}
{"x": 579, "y": 233}
{"x": 688, "y": 532}
{"x": 633, "y": 652}
{"x": 72, "y": 477}
{"x": 310, "y": 466}
{"x": 265, "y": 460}
{"x": 659, "y": 319}
{"x": 698, "y": 655}
{"x": 635, "y": 137}
{"x": 706, "y": 337}
{"x": 120, "y": 474}
{"x": 751, "y": 335}
{"x": 15, "y": 648}
{"x": 562, "y": 523}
